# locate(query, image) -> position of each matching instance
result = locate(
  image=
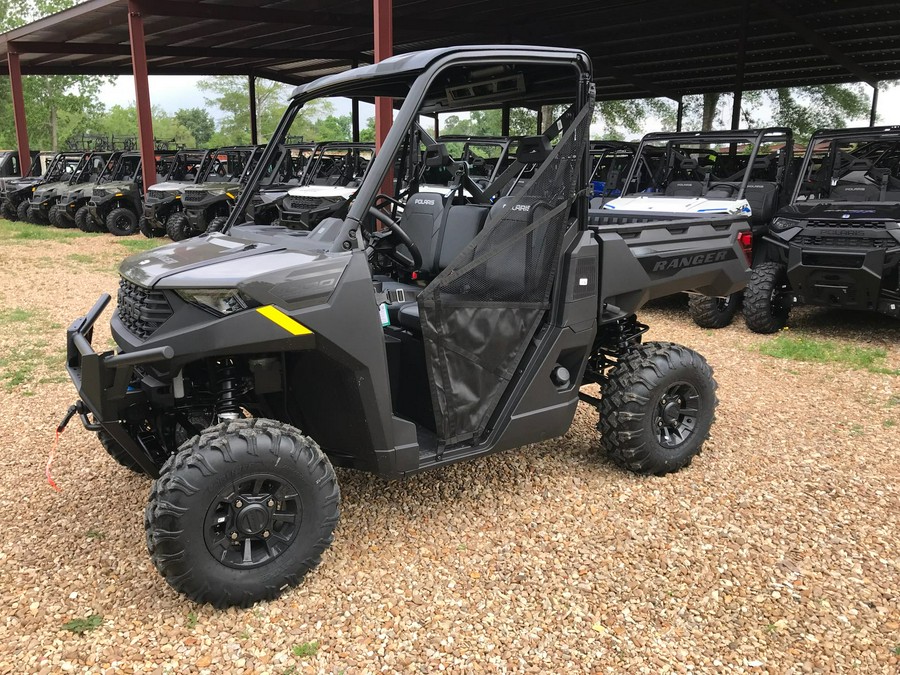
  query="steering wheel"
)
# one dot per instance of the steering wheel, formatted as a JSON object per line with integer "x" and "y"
{"x": 732, "y": 189}
{"x": 379, "y": 242}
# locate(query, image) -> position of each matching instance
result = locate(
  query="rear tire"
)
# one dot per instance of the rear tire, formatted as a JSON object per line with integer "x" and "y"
{"x": 84, "y": 221}
{"x": 118, "y": 453}
{"x": 8, "y": 211}
{"x": 241, "y": 512}
{"x": 767, "y": 301}
{"x": 178, "y": 227}
{"x": 714, "y": 312}
{"x": 149, "y": 230}
{"x": 122, "y": 222}
{"x": 22, "y": 211}
{"x": 657, "y": 408}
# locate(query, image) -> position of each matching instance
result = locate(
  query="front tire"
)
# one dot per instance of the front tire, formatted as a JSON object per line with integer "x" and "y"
{"x": 84, "y": 221}
{"x": 216, "y": 224}
{"x": 710, "y": 312}
{"x": 22, "y": 211}
{"x": 178, "y": 227}
{"x": 8, "y": 211}
{"x": 118, "y": 453}
{"x": 149, "y": 230}
{"x": 241, "y": 512}
{"x": 767, "y": 301}
{"x": 657, "y": 408}
{"x": 122, "y": 222}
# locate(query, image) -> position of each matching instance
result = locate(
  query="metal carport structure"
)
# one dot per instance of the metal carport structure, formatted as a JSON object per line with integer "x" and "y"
{"x": 641, "y": 48}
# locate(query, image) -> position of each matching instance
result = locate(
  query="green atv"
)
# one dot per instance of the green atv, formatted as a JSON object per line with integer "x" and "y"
{"x": 164, "y": 199}
{"x": 73, "y": 203}
{"x": 117, "y": 203}
{"x": 35, "y": 207}
{"x": 207, "y": 203}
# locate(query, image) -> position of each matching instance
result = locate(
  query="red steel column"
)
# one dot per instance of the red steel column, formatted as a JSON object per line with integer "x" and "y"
{"x": 142, "y": 93}
{"x": 18, "y": 101}
{"x": 384, "y": 48}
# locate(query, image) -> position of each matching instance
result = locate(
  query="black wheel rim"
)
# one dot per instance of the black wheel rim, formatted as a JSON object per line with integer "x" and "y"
{"x": 779, "y": 300}
{"x": 123, "y": 223}
{"x": 675, "y": 414}
{"x": 723, "y": 304}
{"x": 253, "y": 521}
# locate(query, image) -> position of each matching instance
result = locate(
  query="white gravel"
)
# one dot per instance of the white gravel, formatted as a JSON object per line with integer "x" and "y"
{"x": 776, "y": 551}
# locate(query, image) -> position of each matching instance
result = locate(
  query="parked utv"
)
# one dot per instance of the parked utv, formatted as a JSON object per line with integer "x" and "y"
{"x": 12, "y": 182}
{"x": 741, "y": 172}
{"x": 288, "y": 172}
{"x": 43, "y": 204}
{"x": 252, "y": 361}
{"x": 334, "y": 175}
{"x": 207, "y": 203}
{"x": 164, "y": 198}
{"x": 64, "y": 212}
{"x": 117, "y": 202}
{"x": 837, "y": 244}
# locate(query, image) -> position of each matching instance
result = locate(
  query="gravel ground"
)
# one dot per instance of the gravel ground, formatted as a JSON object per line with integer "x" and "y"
{"x": 776, "y": 551}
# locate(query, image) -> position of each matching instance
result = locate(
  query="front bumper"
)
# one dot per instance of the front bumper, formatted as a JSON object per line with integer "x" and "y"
{"x": 104, "y": 382}
{"x": 158, "y": 210}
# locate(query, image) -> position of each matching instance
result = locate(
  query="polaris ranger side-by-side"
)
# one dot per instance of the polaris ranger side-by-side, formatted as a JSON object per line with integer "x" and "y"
{"x": 742, "y": 172}
{"x": 164, "y": 198}
{"x": 11, "y": 182}
{"x": 287, "y": 172}
{"x": 207, "y": 203}
{"x": 838, "y": 242}
{"x": 252, "y": 361}
{"x": 43, "y": 204}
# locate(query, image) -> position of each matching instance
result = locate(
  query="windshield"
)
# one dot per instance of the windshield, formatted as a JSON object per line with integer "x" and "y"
{"x": 851, "y": 167}
{"x": 65, "y": 168}
{"x": 183, "y": 166}
{"x": 227, "y": 165}
{"x": 340, "y": 164}
{"x": 715, "y": 165}
{"x": 91, "y": 167}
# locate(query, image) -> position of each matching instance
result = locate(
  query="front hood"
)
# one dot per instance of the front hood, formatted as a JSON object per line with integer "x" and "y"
{"x": 842, "y": 211}
{"x": 227, "y": 261}
{"x": 49, "y": 189}
{"x": 323, "y": 191}
{"x": 680, "y": 205}
{"x": 270, "y": 195}
{"x": 213, "y": 188}
{"x": 170, "y": 186}
{"x": 116, "y": 186}
{"x": 78, "y": 192}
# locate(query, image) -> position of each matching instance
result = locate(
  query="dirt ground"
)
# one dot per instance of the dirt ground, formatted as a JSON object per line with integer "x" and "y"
{"x": 776, "y": 551}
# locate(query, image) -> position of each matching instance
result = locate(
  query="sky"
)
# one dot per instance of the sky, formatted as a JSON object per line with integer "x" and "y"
{"x": 172, "y": 92}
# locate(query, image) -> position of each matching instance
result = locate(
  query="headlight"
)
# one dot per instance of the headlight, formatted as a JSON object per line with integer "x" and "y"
{"x": 782, "y": 224}
{"x": 219, "y": 300}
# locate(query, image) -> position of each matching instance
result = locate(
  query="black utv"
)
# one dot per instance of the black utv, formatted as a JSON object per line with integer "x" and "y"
{"x": 838, "y": 242}
{"x": 207, "y": 203}
{"x": 12, "y": 182}
{"x": 164, "y": 199}
{"x": 415, "y": 331}
{"x": 42, "y": 204}
{"x": 117, "y": 202}
{"x": 288, "y": 171}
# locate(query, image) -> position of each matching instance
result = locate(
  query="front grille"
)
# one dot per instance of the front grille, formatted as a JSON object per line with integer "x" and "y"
{"x": 98, "y": 192}
{"x": 849, "y": 224}
{"x": 844, "y": 242}
{"x": 304, "y": 203}
{"x": 157, "y": 194}
{"x": 142, "y": 310}
{"x": 195, "y": 196}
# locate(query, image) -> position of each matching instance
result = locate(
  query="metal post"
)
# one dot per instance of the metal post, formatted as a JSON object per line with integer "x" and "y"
{"x": 18, "y": 101}
{"x": 354, "y": 112}
{"x": 873, "y": 115}
{"x": 142, "y": 93}
{"x": 254, "y": 129}
{"x": 680, "y": 118}
{"x": 384, "y": 48}
{"x": 540, "y": 121}
{"x": 437, "y": 126}
{"x": 504, "y": 120}
{"x": 741, "y": 63}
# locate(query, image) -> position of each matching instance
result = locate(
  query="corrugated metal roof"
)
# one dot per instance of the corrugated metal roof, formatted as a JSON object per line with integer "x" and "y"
{"x": 639, "y": 47}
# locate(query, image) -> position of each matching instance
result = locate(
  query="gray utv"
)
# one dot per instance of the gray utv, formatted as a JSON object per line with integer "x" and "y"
{"x": 415, "y": 331}
{"x": 164, "y": 198}
{"x": 44, "y": 195}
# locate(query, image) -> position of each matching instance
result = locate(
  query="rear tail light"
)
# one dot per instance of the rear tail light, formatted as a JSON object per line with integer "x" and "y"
{"x": 745, "y": 239}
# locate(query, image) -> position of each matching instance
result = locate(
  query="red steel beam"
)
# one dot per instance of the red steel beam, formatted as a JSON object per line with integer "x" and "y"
{"x": 142, "y": 92}
{"x": 384, "y": 48}
{"x": 18, "y": 100}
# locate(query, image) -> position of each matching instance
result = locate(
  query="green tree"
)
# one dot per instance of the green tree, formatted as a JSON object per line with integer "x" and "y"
{"x": 198, "y": 122}
{"x": 231, "y": 95}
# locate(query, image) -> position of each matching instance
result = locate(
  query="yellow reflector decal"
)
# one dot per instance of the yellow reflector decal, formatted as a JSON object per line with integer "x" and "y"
{"x": 118, "y": 194}
{"x": 177, "y": 196}
{"x": 277, "y": 316}
{"x": 230, "y": 195}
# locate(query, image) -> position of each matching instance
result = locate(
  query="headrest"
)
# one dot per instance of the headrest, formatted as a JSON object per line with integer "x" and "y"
{"x": 689, "y": 164}
{"x": 533, "y": 149}
{"x": 879, "y": 172}
{"x": 437, "y": 154}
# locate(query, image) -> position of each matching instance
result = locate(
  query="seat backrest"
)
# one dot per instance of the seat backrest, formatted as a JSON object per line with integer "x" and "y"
{"x": 763, "y": 200}
{"x": 684, "y": 188}
{"x": 855, "y": 193}
{"x": 464, "y": 222}
{"x": 421, "y": 220}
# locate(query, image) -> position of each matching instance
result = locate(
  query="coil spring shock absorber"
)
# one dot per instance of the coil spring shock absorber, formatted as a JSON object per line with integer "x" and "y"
{"x": 228, "y": 381}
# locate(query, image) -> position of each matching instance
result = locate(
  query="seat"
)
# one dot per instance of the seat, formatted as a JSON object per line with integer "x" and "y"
{"x": 684, "y": 188}
{"x": 763, "y": 200}
{"x": 855, "y": 193}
